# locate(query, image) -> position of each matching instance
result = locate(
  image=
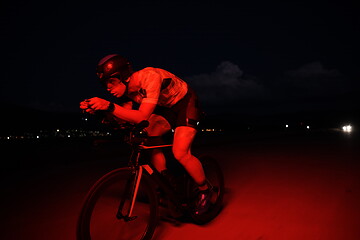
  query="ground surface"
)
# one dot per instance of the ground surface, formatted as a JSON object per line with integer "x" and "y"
{"x": 278, "y": 186}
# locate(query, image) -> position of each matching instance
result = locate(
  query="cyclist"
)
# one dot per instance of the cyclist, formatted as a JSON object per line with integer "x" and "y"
{"x": 163, "y": 99}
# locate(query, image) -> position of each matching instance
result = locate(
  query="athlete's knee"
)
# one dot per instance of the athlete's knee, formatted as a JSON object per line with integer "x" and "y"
{"x": 181, "y": 155}
{"x": 158, "y": 125}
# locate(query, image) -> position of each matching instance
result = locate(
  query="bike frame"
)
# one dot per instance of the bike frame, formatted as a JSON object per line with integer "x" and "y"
{"x": 140, "y": 175}
{"x": 138, "y": 170}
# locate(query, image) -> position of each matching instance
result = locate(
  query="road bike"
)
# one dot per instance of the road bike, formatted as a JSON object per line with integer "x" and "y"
{"x": 128, "y": 202}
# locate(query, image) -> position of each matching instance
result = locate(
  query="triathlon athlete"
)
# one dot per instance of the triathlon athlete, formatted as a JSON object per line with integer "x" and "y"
{"x": 163, "y": 99}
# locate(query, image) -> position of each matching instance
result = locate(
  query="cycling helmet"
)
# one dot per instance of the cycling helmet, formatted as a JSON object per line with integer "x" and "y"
{"x": 114, "y": 65}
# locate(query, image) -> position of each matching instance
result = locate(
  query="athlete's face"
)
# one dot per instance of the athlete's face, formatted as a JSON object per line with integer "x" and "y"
{"x": 115, "y": 87}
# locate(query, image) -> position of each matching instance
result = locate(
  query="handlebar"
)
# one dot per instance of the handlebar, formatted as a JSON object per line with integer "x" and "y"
{"x": 141, "y": 125}
{"x": 133, "y": 133}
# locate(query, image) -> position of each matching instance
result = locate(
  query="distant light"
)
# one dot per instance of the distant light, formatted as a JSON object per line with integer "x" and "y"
{"x": 8, "y": 138}
{"x": 347, "y": 128}
{"x": 68, "y": 135}
{"x": 37, "y": 136}
{"x": 286, "y": 126}
{"x": 57, "y": 130}
{"x": 308, "y": 127}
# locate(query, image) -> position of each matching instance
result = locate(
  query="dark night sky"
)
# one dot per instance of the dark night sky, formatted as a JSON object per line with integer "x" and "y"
{"x": 248, "y": 57}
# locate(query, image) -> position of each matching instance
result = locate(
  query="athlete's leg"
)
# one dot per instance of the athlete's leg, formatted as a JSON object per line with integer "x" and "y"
{"x": 158, "y": 126}
{"x": 183, "y": 139}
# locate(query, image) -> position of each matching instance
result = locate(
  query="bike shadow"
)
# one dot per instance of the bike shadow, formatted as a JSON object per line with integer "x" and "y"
{"x": 168, "y": 224}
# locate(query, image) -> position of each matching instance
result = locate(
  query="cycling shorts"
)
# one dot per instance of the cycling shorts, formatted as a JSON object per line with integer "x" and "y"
{"x": 186, "y": 112}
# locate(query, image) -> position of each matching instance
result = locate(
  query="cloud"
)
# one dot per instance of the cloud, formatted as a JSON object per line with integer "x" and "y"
{"x": 314, "y": 69}
{"x": 226, "y": 85}
{"x": 314, "y": 79}
{"x": 310, "y": 87}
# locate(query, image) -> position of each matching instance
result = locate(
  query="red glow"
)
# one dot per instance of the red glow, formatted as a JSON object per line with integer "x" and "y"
{"x": 108, "y": 66}
{"x": 275, "y": 189}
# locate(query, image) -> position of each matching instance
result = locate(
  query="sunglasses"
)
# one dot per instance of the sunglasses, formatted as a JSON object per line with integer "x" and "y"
{"x": 113, "y": 80}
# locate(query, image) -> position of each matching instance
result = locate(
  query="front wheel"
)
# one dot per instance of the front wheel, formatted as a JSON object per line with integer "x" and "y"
{"x": 215, "y": 179}
{"x": 99, "y": 218}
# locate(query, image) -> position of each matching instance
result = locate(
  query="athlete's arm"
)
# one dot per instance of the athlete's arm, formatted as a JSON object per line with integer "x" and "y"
{"x": 111, "y": 118}
{"x": 127, "y": 105}
{"x": 124, "y": 112}
{"x": 134, "y": 116}
{"x": 151, "y": 85}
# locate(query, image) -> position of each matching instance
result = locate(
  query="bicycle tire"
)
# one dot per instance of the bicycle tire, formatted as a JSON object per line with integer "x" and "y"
{"x": 215, "y": 176}
{"x": 106, "y": 193}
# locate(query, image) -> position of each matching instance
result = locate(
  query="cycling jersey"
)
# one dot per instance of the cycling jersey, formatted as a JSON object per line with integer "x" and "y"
{"x": 155, "y": 85}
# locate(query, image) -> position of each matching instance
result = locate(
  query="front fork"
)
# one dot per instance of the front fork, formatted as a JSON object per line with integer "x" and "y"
{"x": 132, "y": 184}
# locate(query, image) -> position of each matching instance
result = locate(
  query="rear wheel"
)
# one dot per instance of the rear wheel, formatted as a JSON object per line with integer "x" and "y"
{"x": 99, "y": 217}
{"x": 215, "y": 179}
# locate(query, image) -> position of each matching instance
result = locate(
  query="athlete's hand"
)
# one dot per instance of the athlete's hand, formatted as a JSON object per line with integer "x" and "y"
{"x": 96, "y": 104}
{"x": 84, "y": 105}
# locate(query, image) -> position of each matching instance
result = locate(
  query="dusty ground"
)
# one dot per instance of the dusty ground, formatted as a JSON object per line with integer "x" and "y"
{"x": 279, "y": 186}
